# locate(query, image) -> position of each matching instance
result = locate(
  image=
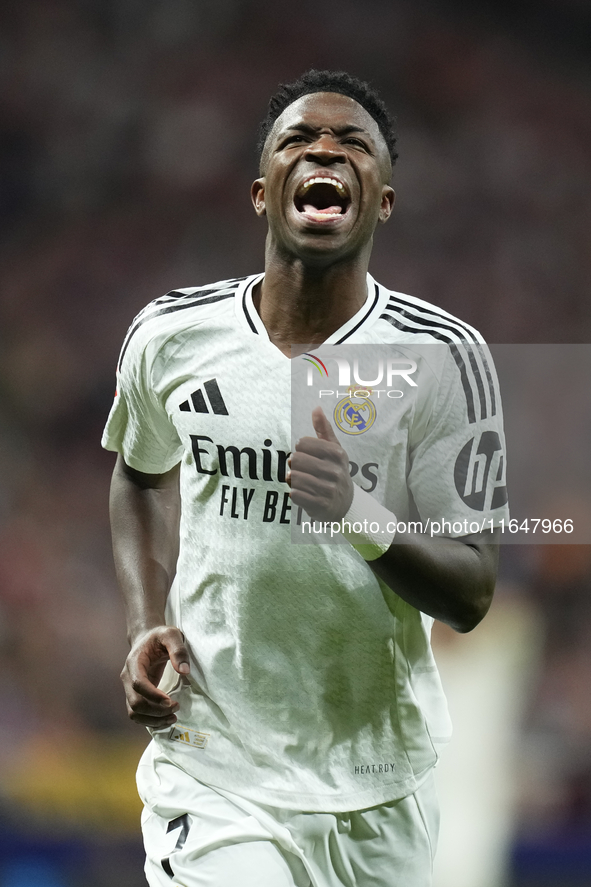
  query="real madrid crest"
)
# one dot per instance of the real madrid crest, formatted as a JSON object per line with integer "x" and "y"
{"x": 355, "y": 414}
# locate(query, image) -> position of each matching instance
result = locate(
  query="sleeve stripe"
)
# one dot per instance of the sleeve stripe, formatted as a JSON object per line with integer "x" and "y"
{"x": 465, "y": 384}
{"x": 455, "y": 326}
{"x": 491, "y": 384}
{"x": 429, "y": 316}
{"x": 204, "y": 299}
{"x": 478, "y": 377}
{"x": 475, "y": 374}
{"x": 193, "y": 292}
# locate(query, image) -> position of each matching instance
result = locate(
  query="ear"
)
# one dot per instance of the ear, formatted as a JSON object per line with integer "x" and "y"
{"x": 257, "y": 195}
{"x": 388, "y": 198}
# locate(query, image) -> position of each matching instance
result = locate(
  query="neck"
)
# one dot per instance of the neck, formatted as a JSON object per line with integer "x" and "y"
{"x": 301, "y": 304}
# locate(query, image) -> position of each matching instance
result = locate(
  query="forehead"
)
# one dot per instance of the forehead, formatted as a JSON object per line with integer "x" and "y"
{"x": 327, "y": 109}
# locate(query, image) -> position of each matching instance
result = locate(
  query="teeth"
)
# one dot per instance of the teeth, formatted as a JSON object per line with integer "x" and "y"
{"x": 324, "y": 180}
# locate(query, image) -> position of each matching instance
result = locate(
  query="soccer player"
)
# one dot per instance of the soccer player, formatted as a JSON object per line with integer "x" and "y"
{"x": 291, "y": 692}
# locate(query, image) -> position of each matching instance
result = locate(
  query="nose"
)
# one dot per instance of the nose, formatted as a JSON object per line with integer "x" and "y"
{"x": 326, "y": 150}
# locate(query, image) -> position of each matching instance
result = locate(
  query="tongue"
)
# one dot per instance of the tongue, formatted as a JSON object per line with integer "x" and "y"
{"x": 308, "y": 208}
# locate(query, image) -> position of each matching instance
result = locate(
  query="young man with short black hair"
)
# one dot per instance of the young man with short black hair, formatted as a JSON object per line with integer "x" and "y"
{"x": 291, "y": 691}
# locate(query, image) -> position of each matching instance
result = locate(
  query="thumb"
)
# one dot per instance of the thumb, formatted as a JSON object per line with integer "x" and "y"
{"x": 322, "y": 427}
{"x": 178, "y": 653}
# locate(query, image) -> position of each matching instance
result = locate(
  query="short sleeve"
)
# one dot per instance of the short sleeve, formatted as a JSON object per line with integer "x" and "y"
{"x": 457, "y": 469}
{"x": 138, "y": 426}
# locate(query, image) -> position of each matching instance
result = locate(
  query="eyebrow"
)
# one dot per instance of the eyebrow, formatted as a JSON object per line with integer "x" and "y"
{"x": 340, "y": 130}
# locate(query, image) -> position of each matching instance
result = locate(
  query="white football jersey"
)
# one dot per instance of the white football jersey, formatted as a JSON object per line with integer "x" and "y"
{"x": 312, "y": 684}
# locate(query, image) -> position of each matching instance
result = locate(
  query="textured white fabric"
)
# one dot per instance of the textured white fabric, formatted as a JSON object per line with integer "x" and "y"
{"x": 211, "y": 838}
{"x": 312, "y": 685}
{"x": 365, "y": 510}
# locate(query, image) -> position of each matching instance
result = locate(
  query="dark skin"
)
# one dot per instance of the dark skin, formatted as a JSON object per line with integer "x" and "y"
{"x": 452, "y": 580}
{"x": 315, "y": 280}
{"x": 315, "y": 270}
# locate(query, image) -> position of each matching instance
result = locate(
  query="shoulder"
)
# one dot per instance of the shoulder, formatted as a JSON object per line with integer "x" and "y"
{"x": 178, "y": 310}
{"x": 412, "y": 320}
{"x": 457, "y": 354}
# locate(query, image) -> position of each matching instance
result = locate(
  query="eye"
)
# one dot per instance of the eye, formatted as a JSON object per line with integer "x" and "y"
{"x": 357, "y": 143}
{"x": 293, "y": 139}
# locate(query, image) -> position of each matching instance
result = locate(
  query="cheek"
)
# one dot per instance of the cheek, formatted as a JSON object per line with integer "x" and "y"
{"x": 374, "y": 197}
{"x": 274, "y": 189}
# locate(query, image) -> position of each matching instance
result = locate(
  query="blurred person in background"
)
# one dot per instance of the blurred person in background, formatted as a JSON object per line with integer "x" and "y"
{"x": 290, "y": 747}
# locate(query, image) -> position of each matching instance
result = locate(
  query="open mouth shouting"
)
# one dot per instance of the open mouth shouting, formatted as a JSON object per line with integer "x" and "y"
{"x": 322, "y": 199}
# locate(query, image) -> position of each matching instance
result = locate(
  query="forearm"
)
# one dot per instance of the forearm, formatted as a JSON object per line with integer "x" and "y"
{"x": 452, "y": 580}
{"x": 144, "y": 512}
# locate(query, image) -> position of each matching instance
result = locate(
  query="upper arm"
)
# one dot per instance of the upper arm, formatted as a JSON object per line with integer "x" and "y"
{"x": 458, "y": 464}
{"x": 145, "y": 512}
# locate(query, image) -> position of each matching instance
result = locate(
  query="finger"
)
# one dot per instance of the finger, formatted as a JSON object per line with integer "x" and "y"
{"x": 141, "y": 675}
{"x": 311, "y": 504}
{"x": 154, "y": 721}
{"x": 178, "y": 653}
{"x": 325, "y": 469}
{"x": 138, "y": 686}
{"x": 315, "y": 486}
{"x": 169, "y": 643}
{"x": 142, "y": 708}
{"x": 322, "y": 426}
{"x": 322, "y": 449}
{"x": 142, "y": 703}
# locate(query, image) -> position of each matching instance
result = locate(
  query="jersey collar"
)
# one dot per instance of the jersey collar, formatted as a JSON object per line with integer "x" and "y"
{"x": 367, "y": 315}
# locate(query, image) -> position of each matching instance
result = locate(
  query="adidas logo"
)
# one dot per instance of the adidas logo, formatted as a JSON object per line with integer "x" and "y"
{"x": 197, "y": 399}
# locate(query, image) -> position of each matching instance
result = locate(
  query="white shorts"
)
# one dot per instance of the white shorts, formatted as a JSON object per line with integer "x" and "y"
{"x": 196, "y": 836}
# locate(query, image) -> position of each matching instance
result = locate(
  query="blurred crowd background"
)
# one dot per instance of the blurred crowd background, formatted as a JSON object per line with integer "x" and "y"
{"x": 127, "y": 131}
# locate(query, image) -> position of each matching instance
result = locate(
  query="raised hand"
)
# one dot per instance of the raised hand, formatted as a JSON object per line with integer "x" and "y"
{"x": 319, "y": 473}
